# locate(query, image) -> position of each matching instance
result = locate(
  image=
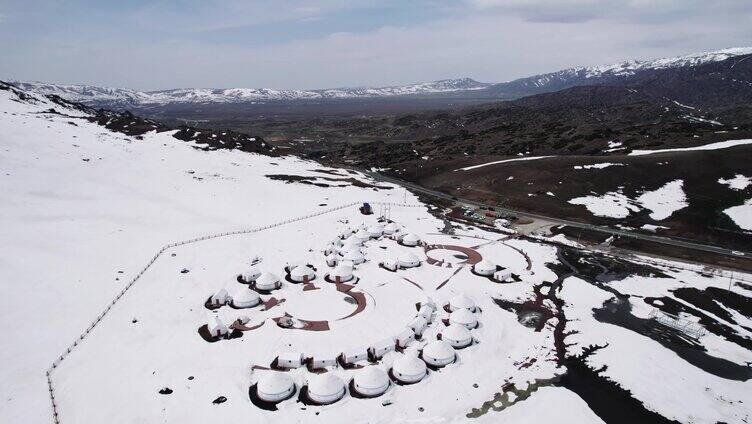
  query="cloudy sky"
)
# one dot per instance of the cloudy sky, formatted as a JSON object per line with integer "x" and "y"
{"x": 289, "y": 44}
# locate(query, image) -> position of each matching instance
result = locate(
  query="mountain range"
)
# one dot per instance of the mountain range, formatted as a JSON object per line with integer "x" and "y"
{"x": 461, "y": 87}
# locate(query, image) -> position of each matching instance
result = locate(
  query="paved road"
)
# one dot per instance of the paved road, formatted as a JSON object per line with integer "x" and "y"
{"x": 673, "y": 241}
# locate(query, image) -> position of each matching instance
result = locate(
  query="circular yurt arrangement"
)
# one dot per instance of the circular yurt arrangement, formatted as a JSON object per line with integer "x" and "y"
{"x": 341, "y": 273}
{"x": 438, "y": 353}
{"x": 275, "y": 387}
{"x": 464, "y": 318}
{"x": 409, "y": 260}
{"x": 408, "y": 369}
{"x": 302, "y": 273}
{"x": 325, "y": 388}
{"x": 245, "y": 298}
{"x": 371, "y": 381}
{"x": 461, "y": 301}
{"x": 457, "y": 335}
{"x": 410, "y": 239}
{"x": 485, "y": 267}
{"x": 268, "y": 281}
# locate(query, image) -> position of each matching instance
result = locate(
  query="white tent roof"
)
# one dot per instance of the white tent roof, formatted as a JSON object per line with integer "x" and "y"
{"x": 267, "y": 280}
{"x": 354, "y": 255}
{"x": 214, "y": 323}
{"x": 457, "y": 335}
{"x": 461, "y": 301}
{"x": 463, "y": 317}
{"x": 409, "y": 257}
{"x": 375, "y": 230}
{"x": 341, "y": 271}
{"x": 353, "y": 241}
{"x": 325, "y": 387}
{"x": 371, "y": 377}
{"x": 485, "y": 266}
{"x": 392, "y": 227}
{"x": 411, "y": 237}
{"x": 301, "y": 271}
{"x": 409, "y": 365}
{"x": 245, "y": 295}
{"x": 275, "y": 383}
{"x": 438, "y": 352}
{"x": 362, "y": 234}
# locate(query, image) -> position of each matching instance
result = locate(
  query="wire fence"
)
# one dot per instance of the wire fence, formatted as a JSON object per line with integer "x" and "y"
{"x": 121, "y": 293}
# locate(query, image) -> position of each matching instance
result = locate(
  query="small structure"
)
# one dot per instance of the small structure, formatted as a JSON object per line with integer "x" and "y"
{"x": 391, "y": 228}
{"x": 322, "y": 360}
{"x": 362, "y": 234}
{"x": 381, "y": 348}
{"x": 418, "y": 325}
{"x": 216, "y": 326}
{"x": 405, "y": 337}
{"x": 245, "y": 298}
{"x": 426, "y": 310}
{"x": 332, "y": 259}
{"x": 289, "y": 360}
{"x": 438, "y": 353}
{"x": 302, "y": 274}
{"x": 408, "y": 369}
{"x": 503, "y": 275}
{"x": 391, "y": 264}
{"x": 354, "y": 256}
{"x": 354, "y": 355}
{"x": 375, "y": 231}
{"x": 331, "y": 248}
{"x": 275, "y": 387}
{"x": 485, "y": 267}
{"x": 337, "y": 242}
{"x": 325, "y": 388}
{"x": 410, "y": 239}
{"x": 409, "y": 260}
{"x": 463, "y": 317}
{"x": 457, "y": 335}
{"x": 352, "y": 240}
{"x": 341, "y": 274}
{"x": 268, "y": 281}
{"x": 371, "y": 382}
{"x": 366, "y": 209}
{"x": 251, "y": 275}
{"x": 461, "y": 301}
{"x": 219, "y": 298}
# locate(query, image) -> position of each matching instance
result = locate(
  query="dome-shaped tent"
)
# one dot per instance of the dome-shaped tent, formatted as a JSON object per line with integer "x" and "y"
{"x": 275, "y": 387}
{"x": 457, "y": 335}
{"x": 409, "y": 260}
{"x": 371, "y": 381}
{"x": 375, "y": 231}
{"x": 484, "y": 267}
{"x": 410, "y": 239}
{"x": 391, "y": 228}
{"x": 408, "y": 369}
{"x": 302, "y": 273}
{"x": 352, "y": 240}
{"x": 268, "y": 281}
{"x": 438, "y": 353}
{"x": 245, "y": 298}
{"x": 325, "y": 388}
{"x": 362, "y": 234}
{"x": 251, "y": 274}
{"x": 463, "y": 317}
{"x": 354, "y": 256}
{"x": 341, "y": 273}
{"x": 461, "y": 301}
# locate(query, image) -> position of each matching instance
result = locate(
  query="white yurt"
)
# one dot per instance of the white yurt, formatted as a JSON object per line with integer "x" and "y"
{"x": 251, "y": 274}
{"x": 409, "y": 260}
{"x": 391, "y": 228}
{"x": 332, "y": 259}
{"x": 219, "y": 298}
{"x": 457, "y": 335}
{"x": 325, "y": 388}
{"x": 391, "y": 264}
{"x": 371, "y": 381}
{"x": 245, "y": 298}
{"x": 337, "y": 242}
{"x": 275, "y": 386}
{"x": 438, "y": 353}
{"x": 375, "y": 231}
{"x": 463, "y": 317}
{"x": 352, "y": 240}
{"x": 484, "y": 267}
{"x": 341, "y": 273}
{"x": 408, "y": 369}
{"x": 216, "y": 326}
{"x": 302, "y": 273}
{"x": 461, "y": 301}
{"x": 411, "y": 239}
{"x": 331, "y": 248}
{"x": 354, "y": 256}
{"x": 268, "y": 281}
{"x": 362, "y": 234}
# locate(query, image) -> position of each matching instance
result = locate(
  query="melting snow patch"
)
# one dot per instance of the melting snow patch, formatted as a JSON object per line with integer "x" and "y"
{"x": 467, "y": 168}
{"x": 653, "y": 228}
{"x": 598, "y": 165}
{"x": 664, "y": 201}
{"x": 741, "y": 215}
{"x": 738, "y": 182}
{"x": 611, "y": 205}
{"x": 712, "y": 146}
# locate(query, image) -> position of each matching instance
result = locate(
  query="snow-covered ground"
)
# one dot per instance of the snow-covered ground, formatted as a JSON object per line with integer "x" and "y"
{"x": 83, "y": 209}
{"x": 737, "y": 182}
{"x": 712, "y": 146}
{"x": 661, "y": 203}
{"x": 467, "y": 168}
{"x": 741, "y": 215}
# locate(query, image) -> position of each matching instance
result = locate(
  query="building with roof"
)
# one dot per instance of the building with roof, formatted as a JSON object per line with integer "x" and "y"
{"x": 392, "y": 228}
{"x": 354, "y": 256}
{"x": 410, "y": 239}
{"x": 418, "y": 325}
{"x": 245, "y": 298}
{"x": 326, "y": 388}
{"x": 461, "y": 301}
{"x": 251, "y": 275}
{"x": 371, "y": 381}
{"x": 502, "y": 275}
{"x": 458, "y": 336}
{"x": 485, "y": 267}
{"x": 322, "y": 360}
{"x": 289, "y": 360}
{"x": 341, "y": 274}
{"x": 353, "y": 355}
{"x": 215, "y": 325}
{"x": 302, "y": 274}
{"x": 375, "y": 231}
{"x": 268, "y": 281}
{"x": 409, "y": 260}
{"x": 275, "y": 386}
{"x": 392, "y": 264}
{"x": 438, "y": 353}
{"x": 408, "y": 369}
{"x": 404, "y": 337}
{"x": 219, "y": 298}
{"x": 463, "y": 317}
{"x": 381, "y": 348}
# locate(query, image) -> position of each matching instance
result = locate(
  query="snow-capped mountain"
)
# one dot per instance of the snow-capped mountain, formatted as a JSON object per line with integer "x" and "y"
{"x": 102, "y": 96}
{"x": 586, "y": 75}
